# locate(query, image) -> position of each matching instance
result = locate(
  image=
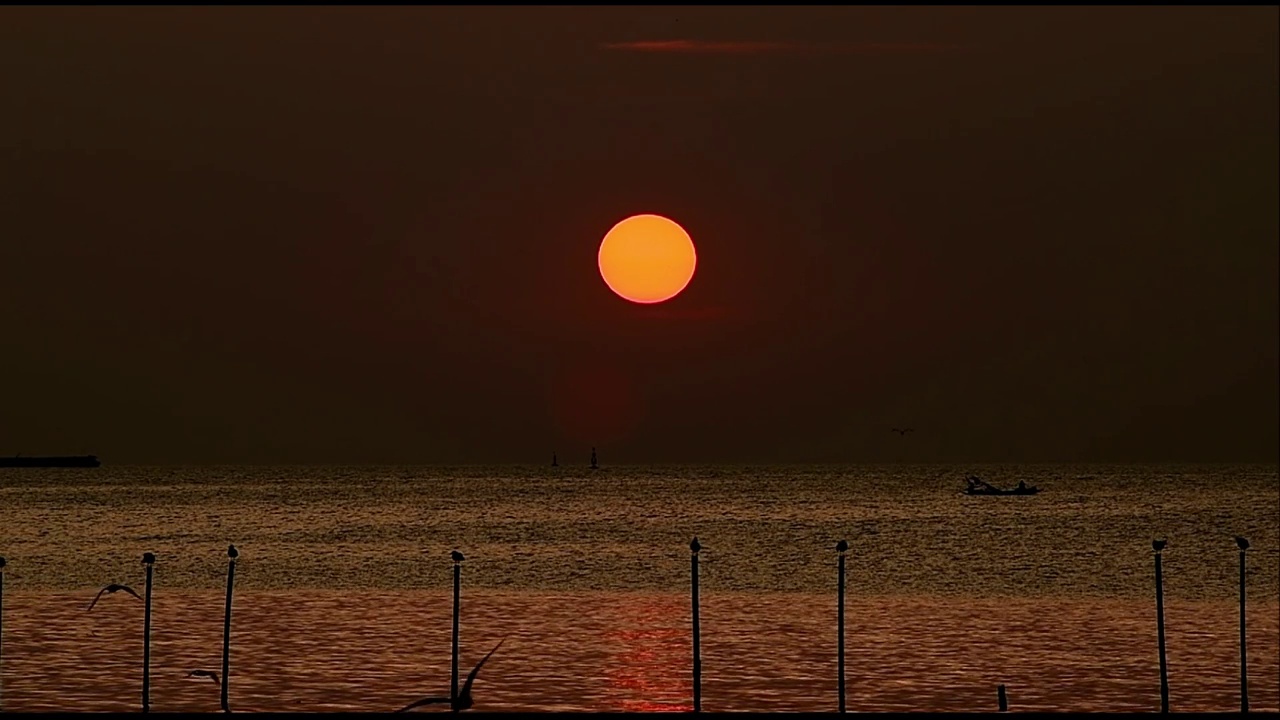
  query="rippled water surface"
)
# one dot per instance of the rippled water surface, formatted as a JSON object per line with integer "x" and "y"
{"x": 342, "y": 586}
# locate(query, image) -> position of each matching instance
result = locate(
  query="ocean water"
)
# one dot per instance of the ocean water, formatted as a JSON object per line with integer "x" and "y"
{"x": 343, "y": 586}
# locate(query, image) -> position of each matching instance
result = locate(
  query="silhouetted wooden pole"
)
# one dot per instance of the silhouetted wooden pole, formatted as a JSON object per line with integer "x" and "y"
{"x": 1002, "y": 699}
{"x": 148, "y": 559}
{"x": 1158, "y": 545}
{"x": 3, "y": 562}
{"x": 457, "y": 609}
{"x": 232, "y": 554}
{"x": 841, "y": 547}
{"x": 695, "y": 547}
{"x": 1244, "y": 661}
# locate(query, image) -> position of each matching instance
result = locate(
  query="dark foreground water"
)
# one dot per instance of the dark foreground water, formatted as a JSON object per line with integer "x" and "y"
{"x": 342, "y": 596}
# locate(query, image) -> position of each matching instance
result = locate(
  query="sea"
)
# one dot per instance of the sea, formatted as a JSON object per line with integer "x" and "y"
{"x": 343, "y": 587}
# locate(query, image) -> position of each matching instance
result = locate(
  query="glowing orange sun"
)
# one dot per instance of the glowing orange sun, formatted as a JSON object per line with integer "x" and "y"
{"x": 647, "y": 259}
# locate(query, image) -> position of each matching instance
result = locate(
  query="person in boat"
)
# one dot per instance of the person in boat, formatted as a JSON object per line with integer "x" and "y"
{"x": 1022, "y": 485}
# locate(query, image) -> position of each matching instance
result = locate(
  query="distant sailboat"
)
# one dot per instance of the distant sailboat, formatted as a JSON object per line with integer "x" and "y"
{"x": 594, "y": 464}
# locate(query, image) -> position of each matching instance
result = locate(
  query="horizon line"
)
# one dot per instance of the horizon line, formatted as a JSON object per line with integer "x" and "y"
{"x": 676, "y": 463}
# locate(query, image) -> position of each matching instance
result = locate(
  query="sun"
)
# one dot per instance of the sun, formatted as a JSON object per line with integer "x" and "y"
{"x": 647, "y": 259}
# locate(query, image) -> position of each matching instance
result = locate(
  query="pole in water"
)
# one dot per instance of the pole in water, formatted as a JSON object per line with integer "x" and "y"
{"x": 3, "y": 562}
{"x": 695, "y": 547}
{"x": 457, "y": 608}
{"x": 232, "y": 554}
{"x": 841, "y": 548}
{"x": 1158, "y": 545}
{"x": 1244, "y": 661}
{"x": 1002, "y": 699}
{"x": 149, "y": 560}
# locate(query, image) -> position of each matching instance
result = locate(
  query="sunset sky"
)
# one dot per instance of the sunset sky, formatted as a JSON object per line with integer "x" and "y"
{"x": 369, "y": 235}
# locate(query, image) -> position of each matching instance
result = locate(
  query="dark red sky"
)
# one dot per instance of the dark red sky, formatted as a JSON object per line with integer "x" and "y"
{"x": 369, "y": 235}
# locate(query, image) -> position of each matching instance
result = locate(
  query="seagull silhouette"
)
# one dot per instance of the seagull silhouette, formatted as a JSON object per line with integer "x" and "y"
{"x": 842, "y": 546}
{"x": 205, "y": 673}
{"x": 1242, "y": 543}
{"x": 232, "y": 552}
{"x": 903, "y": 432}
{"x": 463, "y": 701}
{"x": 1158, "y": 545}
{"x": 695, "y": 546}
{"x": 113, "y": 588}
{"x": 457, "y": 556}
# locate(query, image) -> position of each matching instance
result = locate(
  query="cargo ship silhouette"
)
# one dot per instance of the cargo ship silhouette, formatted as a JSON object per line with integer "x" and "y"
{"x": 50, "y": 462}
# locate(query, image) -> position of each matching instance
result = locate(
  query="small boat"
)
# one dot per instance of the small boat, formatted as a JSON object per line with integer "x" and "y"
{"x": 978, "y": 486}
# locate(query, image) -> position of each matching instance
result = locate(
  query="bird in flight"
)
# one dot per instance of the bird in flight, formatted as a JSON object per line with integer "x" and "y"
{"x": 903, "y": 432}
{"x": 463, "y": 701}
{"x": 113, "y": 588}
{"x": 1242, "y": 543}
{"x": 1158, "y": 545}
{"x": 205, "y": 673}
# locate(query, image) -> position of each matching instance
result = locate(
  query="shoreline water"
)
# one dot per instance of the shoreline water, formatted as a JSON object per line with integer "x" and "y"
{"x": 336, "y": 651}
{"x": 343, "y": 579}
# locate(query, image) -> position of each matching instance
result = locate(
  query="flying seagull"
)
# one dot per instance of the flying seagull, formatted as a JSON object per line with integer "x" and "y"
{"x": 205, "y": 673}
{"x": 112, "y": 588}
{"x": 1158, "y": 545}
{"x": 903, "y": 432}
{"x": 1242, "y": 543}
{"x": 463, "y": 701}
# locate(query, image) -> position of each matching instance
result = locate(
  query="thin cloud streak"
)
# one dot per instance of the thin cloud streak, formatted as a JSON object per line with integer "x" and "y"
{"x": 764, "y": 47}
